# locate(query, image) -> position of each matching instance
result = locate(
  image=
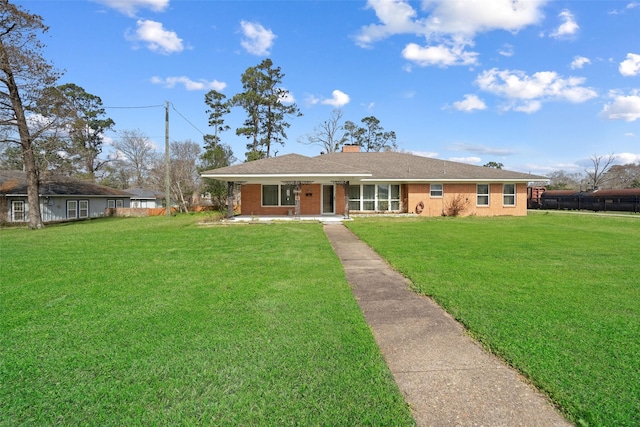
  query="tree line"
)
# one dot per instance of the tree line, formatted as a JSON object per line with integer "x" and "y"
{"x": 602, "y": 174}
{"x": 48, "y": 128}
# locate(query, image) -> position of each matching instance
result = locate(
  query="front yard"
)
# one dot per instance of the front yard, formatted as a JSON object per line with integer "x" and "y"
{"x": 555, "y": 295}
{"x": 155, "y": 321}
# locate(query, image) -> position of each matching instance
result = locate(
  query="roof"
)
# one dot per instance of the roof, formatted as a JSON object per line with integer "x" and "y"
{"x": 14, "y": 183}
{"x": 395, "y": 166}
{"x": 366, "y": 166}
{"x": 143, "y": 193}
{"x": 290, "y": 167}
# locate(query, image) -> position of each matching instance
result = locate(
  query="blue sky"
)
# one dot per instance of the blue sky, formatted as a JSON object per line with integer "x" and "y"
{"x": 536, "y": 85}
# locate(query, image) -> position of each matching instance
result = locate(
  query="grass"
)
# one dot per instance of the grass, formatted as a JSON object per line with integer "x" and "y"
{"x": 556, "y": 296}
{"x": 156, "y": 321}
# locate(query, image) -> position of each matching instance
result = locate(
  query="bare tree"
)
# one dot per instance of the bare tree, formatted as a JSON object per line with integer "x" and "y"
{"x": 136, "y": 153}
{"x": 185, "y": 177}
{"x": 561, "y": 180}
{"x": 328, "y": 135}
{"x": 24, "y": 74}
{"x": 601, "y": 165}
{"x": 623, "y": 176}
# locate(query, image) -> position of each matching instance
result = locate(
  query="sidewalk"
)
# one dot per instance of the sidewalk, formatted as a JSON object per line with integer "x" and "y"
{"x": 446, "y": 378}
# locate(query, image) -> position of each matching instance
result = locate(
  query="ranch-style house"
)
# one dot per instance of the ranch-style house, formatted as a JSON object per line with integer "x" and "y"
{"x": 347, "y": 182}
{"x": 61, "y": 198}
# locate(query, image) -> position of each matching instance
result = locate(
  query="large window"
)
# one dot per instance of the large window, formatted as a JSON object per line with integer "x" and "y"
{"x": 72, "y": 209}
{"x": 83, "y": 210}
{"x": 287, "y": 196}
{"x": 482, "y": 195}
{"x": 17, "y": 211}
{"x": 354, "y": 197}
{"x": 370, "y": 197}
{"x": 436, "y": 190}
{"x": 509, "y": 195}
{"x": 278, "y": 195}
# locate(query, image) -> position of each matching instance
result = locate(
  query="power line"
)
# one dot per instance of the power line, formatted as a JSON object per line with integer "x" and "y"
{"x": 185, "y": 119}
{"x": 143, "y": 106}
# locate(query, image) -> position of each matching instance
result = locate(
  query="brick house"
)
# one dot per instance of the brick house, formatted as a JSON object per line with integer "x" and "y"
{"x": 374, "y": 182}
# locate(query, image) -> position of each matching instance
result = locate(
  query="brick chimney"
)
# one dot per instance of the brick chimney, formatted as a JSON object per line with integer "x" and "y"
{"x": 350, "y": 148}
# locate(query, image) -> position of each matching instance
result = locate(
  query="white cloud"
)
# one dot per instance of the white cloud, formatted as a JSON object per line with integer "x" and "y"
{"x": 471, "y": 17}
{"x": 568, "y": 28}
{"x": 171, "y": 82}
{"x": 472, "y": 159}
{"x": 257, "y": 39}
{"x": 337, "y": 100}
{"x": 631, "y": 65}
{"x": 579, "y": 62}
{"x": 506, "y": 50}
{"x": 286, "y": 97}
{"x": 630, "y": 134}
{"x": 441, "y": 55}
{"x": 470, "y": 103}
{"x": 629, "y": 6}
{"x": 129, "y": 7}
{"x": 623, "y": 107}
{"x": 526, "y": 93}
{"x": 156, "y": 37}
{"x": 396, "y": 17}
{"x": 480, "y": 149}
{"x": 626, "y": 158}
{"x": 448, "y": 26}
{"x": 431, "y": 154}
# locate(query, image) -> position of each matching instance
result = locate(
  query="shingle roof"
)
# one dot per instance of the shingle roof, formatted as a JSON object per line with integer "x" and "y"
{"x": 409, "y": 167}
{"x": 387, "y": 166}
{"x": 143, "y": 193}
{"x": 290, "y": 165}
{"x": 14, "y": 182}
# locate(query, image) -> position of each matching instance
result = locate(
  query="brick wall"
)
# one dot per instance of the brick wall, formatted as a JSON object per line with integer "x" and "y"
{"x": 435, "y": 206}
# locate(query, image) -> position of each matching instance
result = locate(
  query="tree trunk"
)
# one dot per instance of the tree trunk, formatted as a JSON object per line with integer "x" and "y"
{"x": 28, "y": 158}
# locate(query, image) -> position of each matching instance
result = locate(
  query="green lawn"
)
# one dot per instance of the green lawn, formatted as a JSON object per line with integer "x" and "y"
{"x": 556, "y": 296}
{"x": 156, "y": 321}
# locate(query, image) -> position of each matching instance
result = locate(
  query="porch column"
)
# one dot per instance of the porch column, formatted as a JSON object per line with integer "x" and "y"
{"x": 230, "y": 186}
{"x": 297, "y": 192}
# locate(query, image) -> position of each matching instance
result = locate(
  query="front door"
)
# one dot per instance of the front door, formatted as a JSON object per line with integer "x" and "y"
{"x": 327, "y": 199}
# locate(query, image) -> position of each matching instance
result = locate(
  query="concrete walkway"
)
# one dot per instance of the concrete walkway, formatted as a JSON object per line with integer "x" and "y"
{"x": 446, "y": 378}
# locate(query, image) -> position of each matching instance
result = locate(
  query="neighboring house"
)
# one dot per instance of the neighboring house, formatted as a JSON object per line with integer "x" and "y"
{"x": 374, "y": 182}
{"x": 61, "y": 198}
{"x": 142, "y": 198}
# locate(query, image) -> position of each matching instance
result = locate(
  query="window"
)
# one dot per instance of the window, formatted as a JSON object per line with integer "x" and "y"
{"x": 436, "y": 190}
{"x": 380, "y": 197}
{"x": 287, "y": 196}
{"x": 482, "y": 196}
{"x": 111, "y": 203}
{"x": 383, "y": 197}
{"x": 119, "y": 204}
{"x": 354, "y": 197}
{"x": 395, "y": 198}
{"x": 269, "y": 195}
{"x": 83, "y": 210}
{"x": 17, "y": 211}
{"x": 72, "y": 209}
{"x": 509, "y": 195}
{"x": 278, "y": 195}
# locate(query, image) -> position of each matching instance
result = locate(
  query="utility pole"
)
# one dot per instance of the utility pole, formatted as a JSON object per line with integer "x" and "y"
{"x": 167, "y": 164}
